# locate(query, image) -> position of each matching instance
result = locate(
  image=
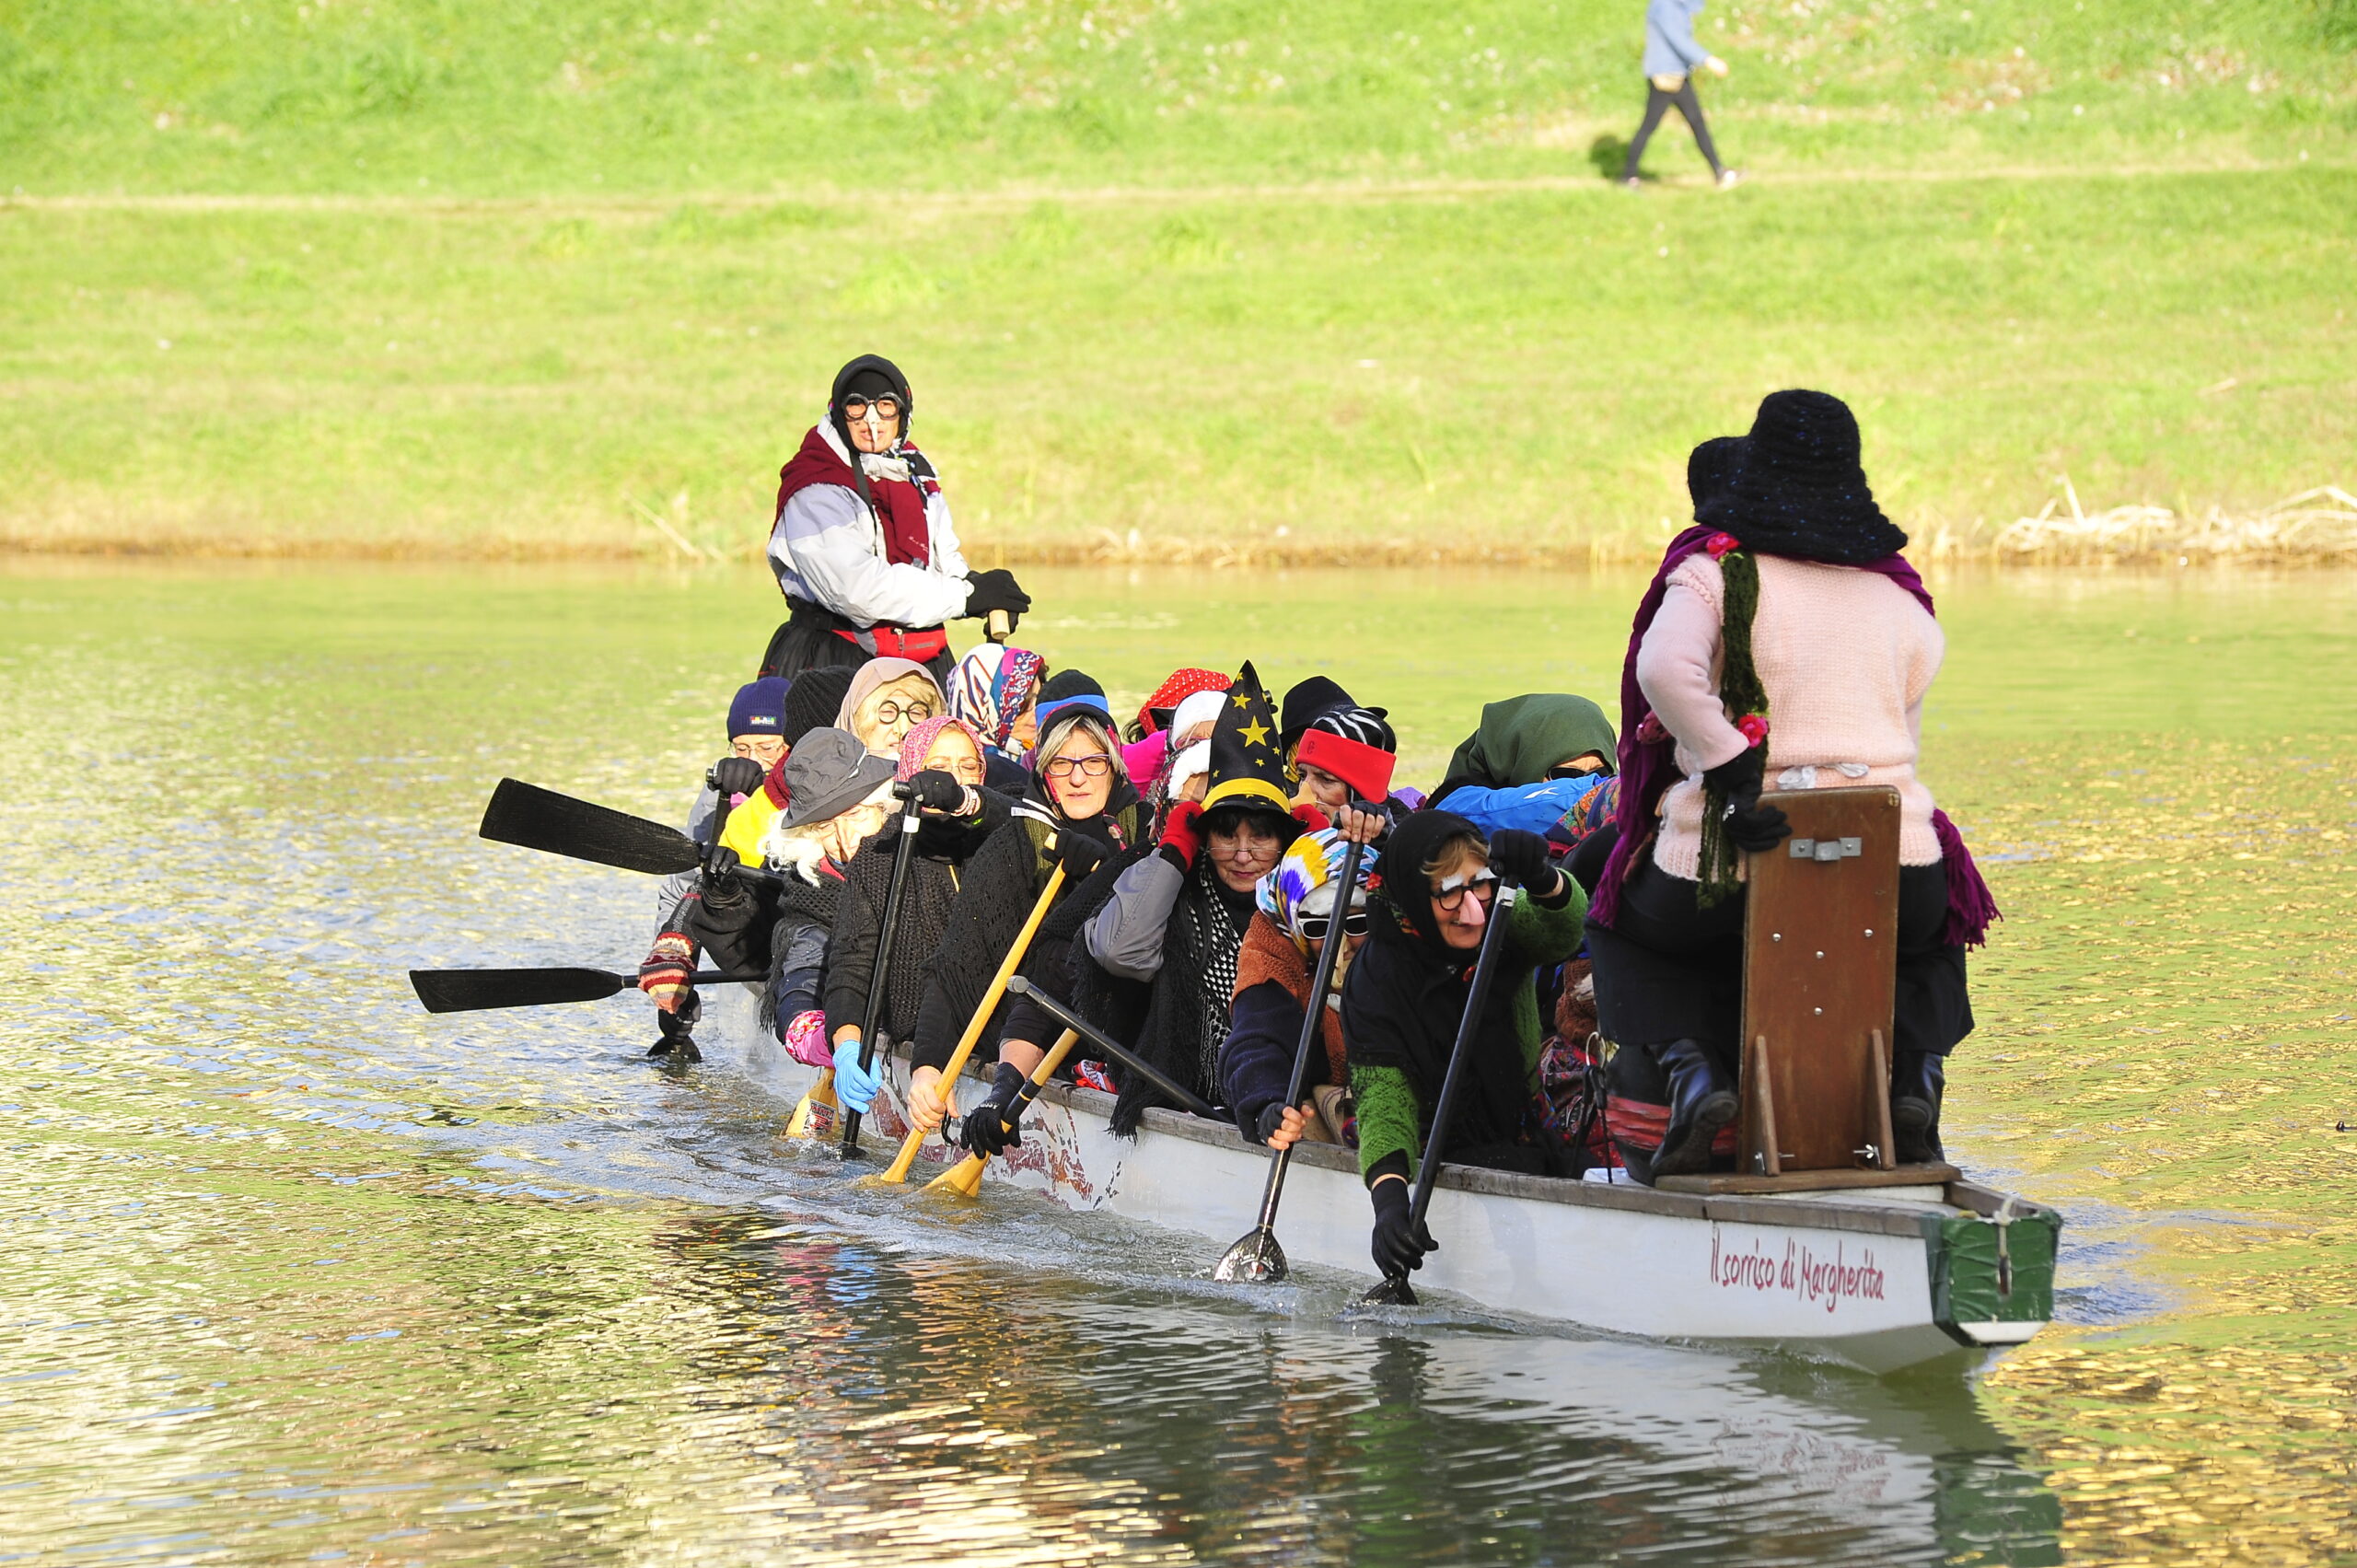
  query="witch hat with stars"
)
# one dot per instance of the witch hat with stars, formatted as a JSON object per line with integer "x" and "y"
{"x": 1248, "y": 755}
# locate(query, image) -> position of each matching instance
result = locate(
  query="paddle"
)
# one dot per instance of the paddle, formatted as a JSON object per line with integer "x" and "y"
{"x": 965, "y": 1178}
{"x": 532, "y": 817}
{"x": 1257, "y": 1256}
{"x": 911, "y": 1145}
{"x": 1394, "y": 1291}
{"x": 871, "y": 1016}
{"x": 1193, "y": 1103}
{"x": 476, "y": 991}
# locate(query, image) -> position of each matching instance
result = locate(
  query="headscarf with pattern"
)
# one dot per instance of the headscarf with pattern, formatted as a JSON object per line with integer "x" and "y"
{"x": 990, "y": 689}
{"x": 1182, "y": 685}
{"x": 918, "y": 742}
{"x": 1309, "y": 863}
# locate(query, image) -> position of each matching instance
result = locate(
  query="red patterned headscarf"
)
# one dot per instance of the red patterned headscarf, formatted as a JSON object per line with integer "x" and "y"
{"x": 1182, "y": 685}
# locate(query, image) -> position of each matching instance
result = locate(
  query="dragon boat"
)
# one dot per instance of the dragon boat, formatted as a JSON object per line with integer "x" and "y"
{"x": 1881, "y": 1278}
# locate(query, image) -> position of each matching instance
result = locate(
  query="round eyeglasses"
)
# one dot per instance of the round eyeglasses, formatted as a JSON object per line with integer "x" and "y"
{"x": 889, "y": 711}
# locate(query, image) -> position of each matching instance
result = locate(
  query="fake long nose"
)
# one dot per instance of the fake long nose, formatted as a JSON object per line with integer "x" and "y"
{"x": 1474, "y": 913}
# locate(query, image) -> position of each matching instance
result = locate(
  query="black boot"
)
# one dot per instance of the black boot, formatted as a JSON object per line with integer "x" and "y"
{"x": 1915, "y": 1090}
{"x": 674, "y": 1040}
{"x": 1700, "y": 1102}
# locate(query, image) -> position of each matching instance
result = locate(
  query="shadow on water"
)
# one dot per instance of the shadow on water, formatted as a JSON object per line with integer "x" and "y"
{"x": 1251, "y": 1433}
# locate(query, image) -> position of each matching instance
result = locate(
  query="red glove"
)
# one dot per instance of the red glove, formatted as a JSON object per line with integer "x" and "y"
{"x": 665, "y": 974}
{"x": 1312, "y": 818}
{"x": 1183, "y": 834}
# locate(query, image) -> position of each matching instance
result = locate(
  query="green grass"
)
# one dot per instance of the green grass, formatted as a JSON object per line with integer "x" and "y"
{"x": 526, "y": 96}
{"x": 507, "y": 278}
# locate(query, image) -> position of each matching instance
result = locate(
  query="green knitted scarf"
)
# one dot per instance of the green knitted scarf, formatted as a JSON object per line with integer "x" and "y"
{"x": 1740, "y": 691}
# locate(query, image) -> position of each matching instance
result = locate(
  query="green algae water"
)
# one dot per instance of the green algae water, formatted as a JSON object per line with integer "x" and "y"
{"x": 295, "y": 1273}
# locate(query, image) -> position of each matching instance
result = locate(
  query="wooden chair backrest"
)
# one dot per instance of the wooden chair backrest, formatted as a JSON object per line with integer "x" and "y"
{"x": 1820, "y": 974}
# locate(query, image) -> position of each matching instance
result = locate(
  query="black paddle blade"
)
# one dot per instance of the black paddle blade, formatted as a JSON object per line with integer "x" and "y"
{"x": 1256, "y": 1260}
{"x": 1391, "y": 1293}
{"x": 476, "y": 991}
{"x": 533, "y": 817}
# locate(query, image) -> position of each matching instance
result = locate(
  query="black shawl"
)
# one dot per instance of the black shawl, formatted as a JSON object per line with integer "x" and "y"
{"x": 944, "y": 844}
{"x": 1405, "y": 996}
{"x": 995, "y": 896}
{"x": 1171, "y": 1018}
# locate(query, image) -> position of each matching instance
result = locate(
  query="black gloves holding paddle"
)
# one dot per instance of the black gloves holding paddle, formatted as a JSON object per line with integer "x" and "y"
{"x": 1523, "y": 859}
{"x": 1399, "y": 1247}
{"x": 1078, "y": 853}
{"x": 1750, "y": 826}
{"x": 933, "y": 790}
{"x": 984, "y": 1130}
{"x": 994, "y": 589}
{"x": 733, "y": 776}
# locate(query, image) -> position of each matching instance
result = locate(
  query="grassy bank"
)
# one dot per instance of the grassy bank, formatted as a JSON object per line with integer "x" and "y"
{"x": 1174, "y": 281}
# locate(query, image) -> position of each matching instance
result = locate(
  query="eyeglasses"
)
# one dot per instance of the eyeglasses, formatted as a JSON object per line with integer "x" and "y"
{"x": 892, "y": 712}
{"x": 1094, "y": 767}
{"x": 1484, "y": 883}
{"x": 857, "y": 407}
{"x": 1314, "y": 927}
{"x": 1577, "y": 770}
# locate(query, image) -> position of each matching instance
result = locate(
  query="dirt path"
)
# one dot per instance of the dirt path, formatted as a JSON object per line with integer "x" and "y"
{"x": 1022, "y": 196}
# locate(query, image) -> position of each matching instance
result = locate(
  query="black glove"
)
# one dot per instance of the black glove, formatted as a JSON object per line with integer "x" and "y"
{"x": 1750, "y": 826}
{"x": 994, "y": 589}
{"x": 1521, "y": 858}
{"x": 734, "y": 775}
{"x": 1397, "y": 1247}
{"x": 1272, "y": 1117}
{"x": 1079, "y": 855}
{"x": 720, "y": 866}
{"x": 933, "y": 790}
{"x": 983, "y": 1131}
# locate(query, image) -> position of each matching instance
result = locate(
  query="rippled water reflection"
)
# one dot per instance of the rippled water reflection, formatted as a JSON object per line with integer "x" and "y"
{"x": 296, "y": 1273}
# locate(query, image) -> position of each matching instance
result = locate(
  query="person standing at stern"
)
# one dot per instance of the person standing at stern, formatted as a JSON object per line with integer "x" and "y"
{"x": 863, "y": 546}
{"x": 1671, "y": 59}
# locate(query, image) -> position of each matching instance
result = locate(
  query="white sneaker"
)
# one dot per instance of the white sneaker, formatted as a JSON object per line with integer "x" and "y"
{"x": 1729, "y": 178}
{"x": 1632, "y": 184}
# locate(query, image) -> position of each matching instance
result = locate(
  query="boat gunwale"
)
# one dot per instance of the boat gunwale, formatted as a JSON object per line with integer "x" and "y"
{"x": 1797, "y": 1208}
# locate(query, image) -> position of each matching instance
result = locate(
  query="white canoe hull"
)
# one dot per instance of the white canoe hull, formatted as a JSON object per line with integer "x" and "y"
{"x": 1849, "y": 1276}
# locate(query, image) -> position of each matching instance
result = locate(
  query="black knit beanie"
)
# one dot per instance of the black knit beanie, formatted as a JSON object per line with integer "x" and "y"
{"x": 814, "y": 698}
{"x": 1801, "y": 491}
{"x": 1069, "y": 684}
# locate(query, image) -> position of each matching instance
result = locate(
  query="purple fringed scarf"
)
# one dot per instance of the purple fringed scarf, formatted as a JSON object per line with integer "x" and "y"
{"x": 1648, "y": 767}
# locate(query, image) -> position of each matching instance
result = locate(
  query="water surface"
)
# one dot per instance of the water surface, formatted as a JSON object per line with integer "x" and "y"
{"x": 296, "y": 1273}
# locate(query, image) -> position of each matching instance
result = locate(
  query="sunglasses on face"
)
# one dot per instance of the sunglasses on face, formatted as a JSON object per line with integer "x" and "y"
{"x": 1314, "y": 927}
{"x": 886, "y": 408}
{"x": 1577, "y": 770}
{"x": 1484, "y": 883}
{"x": 1079, "y": 767}
{"x": 890, "y": 712}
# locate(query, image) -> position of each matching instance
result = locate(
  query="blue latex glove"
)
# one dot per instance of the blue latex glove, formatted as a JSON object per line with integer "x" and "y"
{"x": 854, "y": 1086}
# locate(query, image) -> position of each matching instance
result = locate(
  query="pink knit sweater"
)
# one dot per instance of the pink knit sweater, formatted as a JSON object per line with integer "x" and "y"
{"x": 1846, "y": 657}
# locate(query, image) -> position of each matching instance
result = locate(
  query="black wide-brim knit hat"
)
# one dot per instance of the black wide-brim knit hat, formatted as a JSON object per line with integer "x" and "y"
{"x": 1801, "y": 490}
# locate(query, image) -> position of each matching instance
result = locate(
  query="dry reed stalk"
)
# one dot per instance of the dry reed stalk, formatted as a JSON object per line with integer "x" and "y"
{"x": 2314, "y": 527}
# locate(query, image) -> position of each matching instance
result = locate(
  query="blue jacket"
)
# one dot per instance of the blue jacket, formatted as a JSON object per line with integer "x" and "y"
{"x": 1532, "y": 808}
{"x": 1670, "y": 49}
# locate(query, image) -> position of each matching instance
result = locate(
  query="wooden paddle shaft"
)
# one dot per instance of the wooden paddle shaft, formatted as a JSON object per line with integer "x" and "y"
{"x": 899, "y": 1171}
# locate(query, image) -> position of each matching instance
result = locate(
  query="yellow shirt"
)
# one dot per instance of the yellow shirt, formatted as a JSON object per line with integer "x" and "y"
{"x": 748, "y": 824}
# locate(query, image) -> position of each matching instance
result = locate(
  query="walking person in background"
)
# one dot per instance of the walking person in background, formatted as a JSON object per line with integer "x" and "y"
{"x": 1671, "y": 59}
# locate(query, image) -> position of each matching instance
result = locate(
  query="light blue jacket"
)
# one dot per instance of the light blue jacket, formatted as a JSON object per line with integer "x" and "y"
{"x": 1670, "y": 49}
